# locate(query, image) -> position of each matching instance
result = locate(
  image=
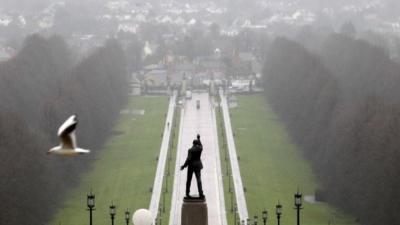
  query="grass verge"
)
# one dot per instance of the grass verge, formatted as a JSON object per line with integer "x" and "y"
{"x": 124, "y": 170}
{"x": 272, "y": 168}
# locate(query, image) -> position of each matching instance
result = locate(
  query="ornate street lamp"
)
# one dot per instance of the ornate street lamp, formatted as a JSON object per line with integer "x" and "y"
{"x": 297, "y": 204}
{"x": 112, "y": 213}
{"x": 127, "y": 215}
{"x": 265, "y": 216}
{"x": 255, "y": 220}
{"x": 90, "y": 205}
{"x": 278, "y": 212}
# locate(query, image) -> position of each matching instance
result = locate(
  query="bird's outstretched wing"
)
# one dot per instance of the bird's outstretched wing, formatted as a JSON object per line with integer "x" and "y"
{"x": 67, "y": 133}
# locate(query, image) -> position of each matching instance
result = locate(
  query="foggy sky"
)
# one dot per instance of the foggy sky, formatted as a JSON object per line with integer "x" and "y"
{"x": 37, "y": 4}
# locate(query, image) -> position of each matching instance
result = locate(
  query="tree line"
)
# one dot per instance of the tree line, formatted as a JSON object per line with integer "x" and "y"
{"x": 39, "y": 89}
{"x": 341, "y": 105}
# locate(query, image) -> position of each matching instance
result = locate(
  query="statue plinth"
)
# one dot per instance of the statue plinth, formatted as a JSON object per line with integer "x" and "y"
{"x": 194, "y": 211}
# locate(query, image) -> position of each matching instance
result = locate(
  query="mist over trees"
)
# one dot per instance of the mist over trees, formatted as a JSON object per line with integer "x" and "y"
{"x": 39, "y": 89}
{"x": 342, "y": 108}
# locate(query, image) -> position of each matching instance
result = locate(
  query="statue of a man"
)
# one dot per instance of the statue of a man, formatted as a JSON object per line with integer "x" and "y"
{"x": 193, "y": 162}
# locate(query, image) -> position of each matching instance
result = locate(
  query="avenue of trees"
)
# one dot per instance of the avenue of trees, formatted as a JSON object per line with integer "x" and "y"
{"x": 39, "y": 89}
{"x": 342, "y": 107}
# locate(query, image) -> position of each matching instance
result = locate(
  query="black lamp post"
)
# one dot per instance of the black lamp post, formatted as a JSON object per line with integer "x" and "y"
{"x": 255, "y": 220}
{"x": 166, "y": 185}
{"x": 265, "y": 216}
{"x": 231, "y": 201}
{"x": 297, "y": 204}
{"x": 159, "y": 217}
{"x": 127, "y": 215}
{"x": 163, "y": 204}
{"x": 229, "y": 183}
{"x": 234, "y": 214}
{"x": 112, "y": 213}
{"x": 279, "y": 212}
{"x": 90, "y": 205}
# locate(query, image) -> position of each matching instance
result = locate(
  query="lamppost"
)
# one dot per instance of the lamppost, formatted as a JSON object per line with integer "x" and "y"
{"x": 265, "y": 216}
{"x": 127, "y": 217}
{"x": 166, "y": 185}
{"x": 169, "y": 160}
{"x": 163, "y": 205}
{"x": 231, "y": 201}
{"x": 158, "y": 220}
{"x": 229, "y": 183}
{"x": 234, "y": 214}
{"x": 112, "y": 213}
{"x": 297, "y": 204}
{"x": 279, "y": 212}
{"x": 255, "y": 220}
{"x": 90, "y": 205}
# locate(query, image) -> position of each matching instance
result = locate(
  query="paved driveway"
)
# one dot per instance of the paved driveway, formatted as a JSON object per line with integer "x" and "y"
{"x": 202, "y": 121}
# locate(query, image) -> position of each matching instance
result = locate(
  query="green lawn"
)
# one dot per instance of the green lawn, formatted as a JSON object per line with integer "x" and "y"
{"x": 272, "y": 168}
{"x": 124, "y": 170}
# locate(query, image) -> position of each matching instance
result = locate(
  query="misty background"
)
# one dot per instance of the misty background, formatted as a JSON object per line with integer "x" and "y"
{"x": 330, "y": 70}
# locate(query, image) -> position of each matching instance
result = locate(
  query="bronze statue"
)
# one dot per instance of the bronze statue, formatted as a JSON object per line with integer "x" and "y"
{"x": 193, "y": 162}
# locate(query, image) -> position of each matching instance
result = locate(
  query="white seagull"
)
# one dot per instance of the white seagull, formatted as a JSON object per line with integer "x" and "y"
{"x": 66, "y": 133}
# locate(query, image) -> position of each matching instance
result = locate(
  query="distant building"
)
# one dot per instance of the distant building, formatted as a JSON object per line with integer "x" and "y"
{"x": 151, "y": 67}
{"x": 245, "y": 64}
{"x": 181, "y": 70}
{"x": 135, "y": 86}
{"x": 185, "y": 67}
{"x": 242, "y": 85}
{"x": 156, "y": 78}
{"x": 205, "y": 64}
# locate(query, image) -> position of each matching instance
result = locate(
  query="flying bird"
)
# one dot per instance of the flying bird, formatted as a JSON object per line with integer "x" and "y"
{"x": 66, "y": 133}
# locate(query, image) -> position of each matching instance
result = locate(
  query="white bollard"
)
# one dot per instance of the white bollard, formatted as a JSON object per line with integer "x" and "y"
{"x": 142, "y": 217}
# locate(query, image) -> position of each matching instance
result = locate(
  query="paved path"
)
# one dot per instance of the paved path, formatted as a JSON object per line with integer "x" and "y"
{"x": 237, "y": 179}
{"x": 200, "y": 121}
{"x": 158, "y": 181}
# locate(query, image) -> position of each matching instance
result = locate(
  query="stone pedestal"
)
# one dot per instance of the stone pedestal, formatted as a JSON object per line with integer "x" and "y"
{"x": 194, "y": 211}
